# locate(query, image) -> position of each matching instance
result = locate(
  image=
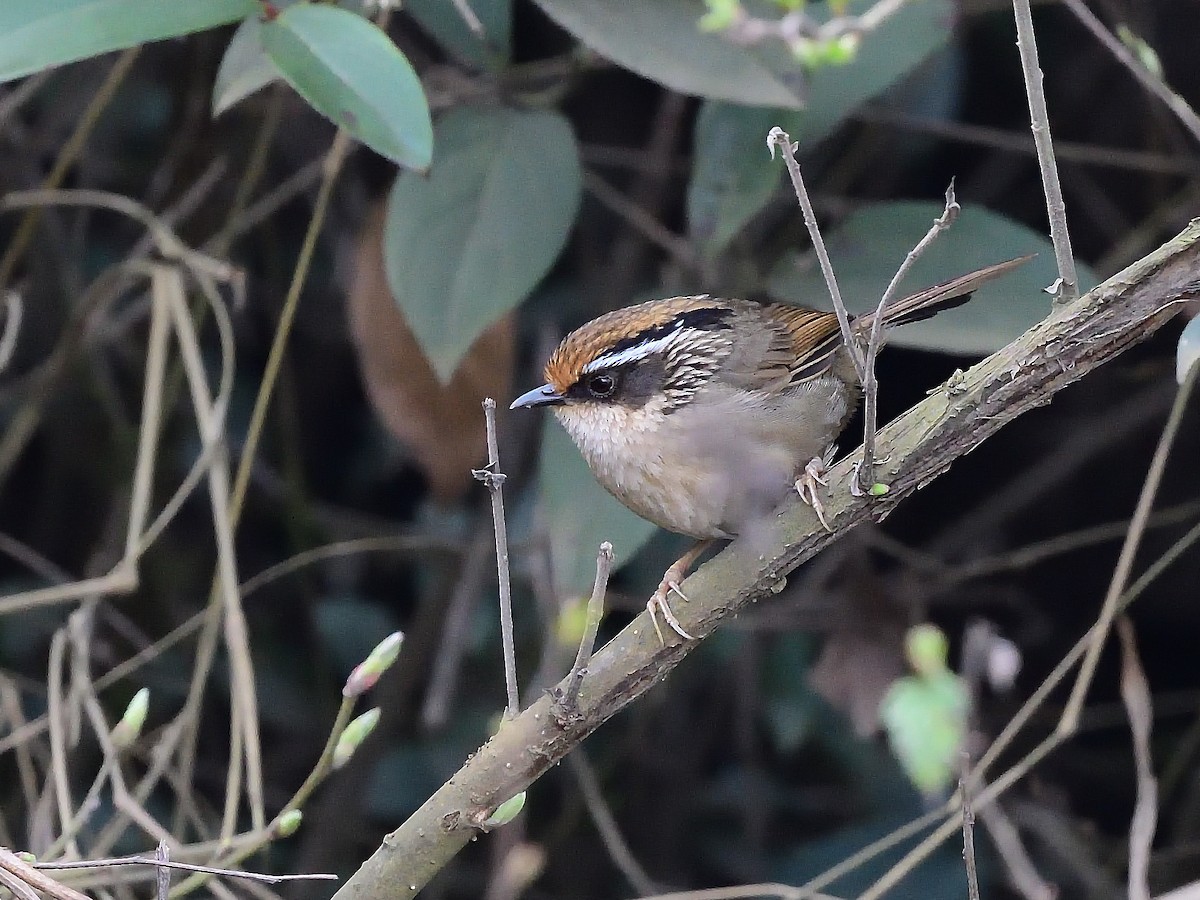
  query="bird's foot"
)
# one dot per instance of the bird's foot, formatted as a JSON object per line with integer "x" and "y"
{"x": 658, "y": 604}
{"x": 806, "y": 486}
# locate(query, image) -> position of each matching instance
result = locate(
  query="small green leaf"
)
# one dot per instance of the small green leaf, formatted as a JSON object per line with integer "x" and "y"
{"x": 732, "y": 180}
{"x": 245, "y": 67}
{"x": 443, "y": 20}
{"x": 1144, "y": 52}
{"x": 467, "y": 244}
{"x": 506, "y": 811}
{"x": 289, "y": 823}
{"x": 661, "y": 40}
{"x": 351, "y": 73}
{"x": 580, "y": 514}
{"x": 879, "y": 489}
{"x": 927, "y": 650}
{"x": 357, "y": 731}
{"x": 871, "y": 243}
{"x": 1187, "y": 353}
{"x": 38, "y": 34}
{"x": 926, "y": 722}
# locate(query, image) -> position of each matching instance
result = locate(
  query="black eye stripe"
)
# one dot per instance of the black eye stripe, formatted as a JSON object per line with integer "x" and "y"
{"x": 708, "y": 318}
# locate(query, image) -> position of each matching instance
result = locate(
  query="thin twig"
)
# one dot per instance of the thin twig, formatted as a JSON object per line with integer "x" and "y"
{"x": 614, "y": 842}
{"x": 595, "y": 611}
{"x": 1024, "y": 878}
{"x": 1068, "y": 287}
{"x": 1156, "y": 86}
{"x": 187, "y": 867}
{"x": 1137, "y": 527}
{"x": 493, "y": 479}
{"x": 777, "y": 137}
{"x": 968, "y": 828}
{"x": 162, "y": 870}
{"x": 1135, "y": 692}
{"x": 866, "y": 472}
{"x": 17, "y": 867}
{"x": 13, "y": 308}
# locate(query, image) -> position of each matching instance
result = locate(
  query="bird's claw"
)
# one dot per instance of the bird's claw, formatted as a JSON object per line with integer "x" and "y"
{"x": 658, "y": 604}
{"x": 806, "y": 487}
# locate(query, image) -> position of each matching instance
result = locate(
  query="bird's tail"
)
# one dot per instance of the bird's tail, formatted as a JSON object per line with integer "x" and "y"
{"x": 947, "y": 295}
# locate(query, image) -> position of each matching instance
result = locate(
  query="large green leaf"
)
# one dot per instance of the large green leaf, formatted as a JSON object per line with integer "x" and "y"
{"x": 37, "y": 34}
{"x": 660, "y": 40}
{"x": 350, "y": 72}
{"x": 468, "y": 243}
{"x": 872, "y": 243}
{"x": 733, "y": 176}
{"x": 245, "y": 67}
{"x": 581, "y": 514}
{"x": 443, "y": 20}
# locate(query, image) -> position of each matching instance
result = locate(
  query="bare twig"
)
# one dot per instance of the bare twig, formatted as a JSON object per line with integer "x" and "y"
{"x": 1137, "y": 527}
{"x": 1135, "y": 692}
{"x": 778, "y": 138}
{"x": 595, "y": 611}
{"x": 17, "y": 867}
{"x": 162, "y": 870}
{"x": 1021, "y": 874}
{"x": 186, "y": 867}
{"x": 614, "y": 842}
{"x": 493, "y": 478}
{"x": 12, "y": 327}
{"x": 866, "y": 472}
{"x": 1068, "y": 287}
{"x": 968, "y": 829}
{"x": 1156, "y": 86}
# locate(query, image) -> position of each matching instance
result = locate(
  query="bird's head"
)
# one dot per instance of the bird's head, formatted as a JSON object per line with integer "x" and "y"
{"x": 654, "y": 355}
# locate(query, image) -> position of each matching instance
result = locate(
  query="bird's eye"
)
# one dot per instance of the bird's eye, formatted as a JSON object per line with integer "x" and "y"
{"x": 602, "y": 386}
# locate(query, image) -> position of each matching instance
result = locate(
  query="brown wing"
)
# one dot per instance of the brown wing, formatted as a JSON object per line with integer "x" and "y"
{"x": 810, "y": 338}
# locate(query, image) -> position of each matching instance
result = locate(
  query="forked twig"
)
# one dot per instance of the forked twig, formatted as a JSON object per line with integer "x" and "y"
{"x": 870, "y": 384}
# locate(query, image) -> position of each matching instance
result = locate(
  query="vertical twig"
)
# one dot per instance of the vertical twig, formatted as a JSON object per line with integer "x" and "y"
{"x": 595, "y": 611}
{"x": 968, "y": 828}
{"x": 493, "y": 479}
{"x": 1068, "y": 286}
{"x": 162, "y": 853}
{"x": 777, "y": 137}
{"x": 866, "y": 475}
{"x": 1135, "y": 693}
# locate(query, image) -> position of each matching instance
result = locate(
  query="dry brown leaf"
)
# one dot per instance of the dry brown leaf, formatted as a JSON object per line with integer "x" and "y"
{"x": 442, "y": 425}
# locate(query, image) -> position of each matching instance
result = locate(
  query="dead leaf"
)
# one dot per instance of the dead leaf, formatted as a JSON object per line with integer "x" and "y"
{"x": 442, "y": 425}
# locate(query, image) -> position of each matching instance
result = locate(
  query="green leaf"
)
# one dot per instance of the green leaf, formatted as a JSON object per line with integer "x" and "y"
{"x": 926, "y": 722}
{"x": 870, "y": 245}
{"x": 733, "y": 177}
{"x": 661, "y": 40}
{"x": 38, "y": 34}
{"x": 443, "y": 20}
{"x": 350, "y": 72}
{"x": 245, "y": 67}
{"x": 468, "y": 243}
{"x": 581, "y": 514}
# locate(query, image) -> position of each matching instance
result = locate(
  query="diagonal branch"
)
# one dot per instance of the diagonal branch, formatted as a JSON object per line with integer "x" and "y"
{"x": 918, "y": 447}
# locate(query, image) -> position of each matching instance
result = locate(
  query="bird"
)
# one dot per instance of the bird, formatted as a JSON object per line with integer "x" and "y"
{"x": 699, "y": 413}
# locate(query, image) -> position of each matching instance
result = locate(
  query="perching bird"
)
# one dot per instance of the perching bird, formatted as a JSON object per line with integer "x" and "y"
{"x": 699, "y": 413}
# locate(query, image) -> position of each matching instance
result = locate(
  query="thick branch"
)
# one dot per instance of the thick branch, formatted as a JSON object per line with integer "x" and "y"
{"x": 918, "y": 447}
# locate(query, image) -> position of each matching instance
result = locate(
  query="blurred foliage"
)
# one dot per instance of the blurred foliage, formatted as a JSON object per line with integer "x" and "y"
{"x": 580, "y": 154}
